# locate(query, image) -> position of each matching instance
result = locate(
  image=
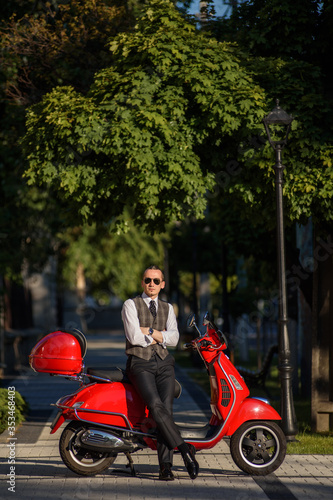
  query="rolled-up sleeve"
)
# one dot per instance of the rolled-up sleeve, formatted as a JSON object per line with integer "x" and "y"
{"x": 171, "y": 334}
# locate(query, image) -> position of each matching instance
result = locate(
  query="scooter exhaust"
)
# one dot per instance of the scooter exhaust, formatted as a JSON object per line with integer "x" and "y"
{"x": 98, "y": 440}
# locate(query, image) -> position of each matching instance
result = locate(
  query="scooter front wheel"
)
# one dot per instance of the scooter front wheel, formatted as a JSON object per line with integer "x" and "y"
{"x": 258, "y": 447}
{"x": 78, "y": 459}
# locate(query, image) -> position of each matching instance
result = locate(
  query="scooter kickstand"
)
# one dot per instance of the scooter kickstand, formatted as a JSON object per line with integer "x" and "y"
{"x": 130, "y": 463}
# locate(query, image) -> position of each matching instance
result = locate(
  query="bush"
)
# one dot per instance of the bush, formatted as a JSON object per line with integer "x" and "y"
{"x": 21, "y": 408}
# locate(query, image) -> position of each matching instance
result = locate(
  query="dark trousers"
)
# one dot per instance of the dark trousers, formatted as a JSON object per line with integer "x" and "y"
{"x": 154, "y": 380}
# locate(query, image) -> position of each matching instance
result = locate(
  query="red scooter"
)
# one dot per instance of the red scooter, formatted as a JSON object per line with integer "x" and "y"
{"x": 108, "y": 417}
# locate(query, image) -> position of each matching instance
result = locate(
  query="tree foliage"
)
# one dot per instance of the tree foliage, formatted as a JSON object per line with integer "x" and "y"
{"x": 176, "y": 107}
{"x": 289, "y": 54}
{"x": 60, "y": 43}
{"x": 151, "y": 129}
{"x": 275, "y": 28}
{"x": 42, "y": 45}
{"x": 289, "y": 57}
{"x": 112, "y": 264}
{"x": 308, "y": 187}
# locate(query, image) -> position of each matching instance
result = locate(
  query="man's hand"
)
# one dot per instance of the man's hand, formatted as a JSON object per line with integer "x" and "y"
{"x": 156, "y": 336}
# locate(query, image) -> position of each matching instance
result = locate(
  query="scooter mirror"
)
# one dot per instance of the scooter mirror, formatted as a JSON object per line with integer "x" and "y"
{"x": 191, "y": 320}
{"x": 206, "y": 319}
{"x": 191, "y": 323}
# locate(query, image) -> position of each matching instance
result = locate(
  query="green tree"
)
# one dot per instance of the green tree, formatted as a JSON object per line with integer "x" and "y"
{"x": 290, "y": 45}
{"x": 42, "y": 44}
{"x": 112, "y": 264}
{"x": 152, "y": 128}
{"x": 288, "y": 56}
{"x": 273, "y": 28}
{"x": 175, "y": 107}
{"x": 290, "y": 59}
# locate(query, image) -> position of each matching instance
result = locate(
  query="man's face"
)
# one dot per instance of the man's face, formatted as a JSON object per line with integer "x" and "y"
{"x": 152, "y": 289}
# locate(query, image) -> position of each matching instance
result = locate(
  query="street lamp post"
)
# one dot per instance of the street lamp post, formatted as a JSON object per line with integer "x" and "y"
{"x": 275, "y": 122}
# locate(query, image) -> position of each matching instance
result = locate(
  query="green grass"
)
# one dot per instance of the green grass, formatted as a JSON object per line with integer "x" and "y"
{"x": 307, "y": 442}
{"x": 7, "y": 414}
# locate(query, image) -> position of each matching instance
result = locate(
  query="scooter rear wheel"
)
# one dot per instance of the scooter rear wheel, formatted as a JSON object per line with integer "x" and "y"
{"x": 258, "y": 447}
{"x": 78, "y": 459}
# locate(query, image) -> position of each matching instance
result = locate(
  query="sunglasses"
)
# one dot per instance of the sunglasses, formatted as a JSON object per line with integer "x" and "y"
{"x": 157, "y": 281}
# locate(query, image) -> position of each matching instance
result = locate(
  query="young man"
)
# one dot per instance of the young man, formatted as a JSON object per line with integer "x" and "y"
{"x": 150, "y": 326}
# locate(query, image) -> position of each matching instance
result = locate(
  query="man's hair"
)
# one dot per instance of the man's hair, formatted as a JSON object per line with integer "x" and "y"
{"x": 155, "y": 268}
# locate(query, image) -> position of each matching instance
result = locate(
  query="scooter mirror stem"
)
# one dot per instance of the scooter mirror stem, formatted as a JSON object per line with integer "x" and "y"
{"x": 197, "y": 329}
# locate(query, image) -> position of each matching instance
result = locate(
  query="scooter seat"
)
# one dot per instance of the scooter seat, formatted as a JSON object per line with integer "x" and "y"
{"x": 106, "y": 374}
{"x": 115, "y": 374}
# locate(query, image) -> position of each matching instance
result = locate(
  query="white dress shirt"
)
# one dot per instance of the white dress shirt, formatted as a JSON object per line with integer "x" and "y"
{"x": 133, "y": 332}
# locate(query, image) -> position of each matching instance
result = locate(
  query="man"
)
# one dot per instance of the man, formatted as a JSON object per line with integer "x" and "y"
{"x": 150, "y": 326}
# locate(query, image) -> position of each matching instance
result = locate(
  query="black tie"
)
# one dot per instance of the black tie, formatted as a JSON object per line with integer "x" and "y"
{"x": 152, "y": 308}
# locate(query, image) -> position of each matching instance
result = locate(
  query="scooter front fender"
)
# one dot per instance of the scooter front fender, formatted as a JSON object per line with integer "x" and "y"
{"x": 251, "y": 409}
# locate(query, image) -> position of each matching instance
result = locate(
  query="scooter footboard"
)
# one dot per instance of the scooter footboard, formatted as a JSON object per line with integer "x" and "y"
{"x": 204, "y": 433}
{"x": 251, "y": 409}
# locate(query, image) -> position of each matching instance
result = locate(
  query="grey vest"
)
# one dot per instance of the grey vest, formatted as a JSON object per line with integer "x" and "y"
{"x": 146, "y": 320}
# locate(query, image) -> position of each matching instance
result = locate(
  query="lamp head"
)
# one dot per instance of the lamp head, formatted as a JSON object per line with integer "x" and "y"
{"x": 277, "y": 121}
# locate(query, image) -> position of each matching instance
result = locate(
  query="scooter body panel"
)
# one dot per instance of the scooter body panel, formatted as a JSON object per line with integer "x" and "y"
{"x": 230, "y": 404}
{"x": 115, "y": 404}
{"x": 231, "y": 388}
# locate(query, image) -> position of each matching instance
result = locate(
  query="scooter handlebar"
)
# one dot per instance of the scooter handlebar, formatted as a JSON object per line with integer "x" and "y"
{"x": 202, "y": 343}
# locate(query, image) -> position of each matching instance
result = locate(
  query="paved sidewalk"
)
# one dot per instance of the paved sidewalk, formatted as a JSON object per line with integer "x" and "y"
{"x": 40, "y": 473}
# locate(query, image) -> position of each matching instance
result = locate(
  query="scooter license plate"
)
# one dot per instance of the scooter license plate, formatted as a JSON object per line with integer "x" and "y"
{"x": 55, "y": 420}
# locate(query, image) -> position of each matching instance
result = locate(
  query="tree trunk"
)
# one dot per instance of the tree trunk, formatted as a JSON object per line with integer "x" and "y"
{"x": 322, "y": 339}
{"x": 81, "y": 286}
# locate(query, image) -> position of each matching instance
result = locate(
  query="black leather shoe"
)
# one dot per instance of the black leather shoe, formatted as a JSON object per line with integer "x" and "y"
{"x": 166, "y": 473}
{"x": 191, "y": 464}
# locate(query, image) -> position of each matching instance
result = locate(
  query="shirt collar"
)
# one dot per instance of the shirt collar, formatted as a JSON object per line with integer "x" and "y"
{"x": 147, "y": 299}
